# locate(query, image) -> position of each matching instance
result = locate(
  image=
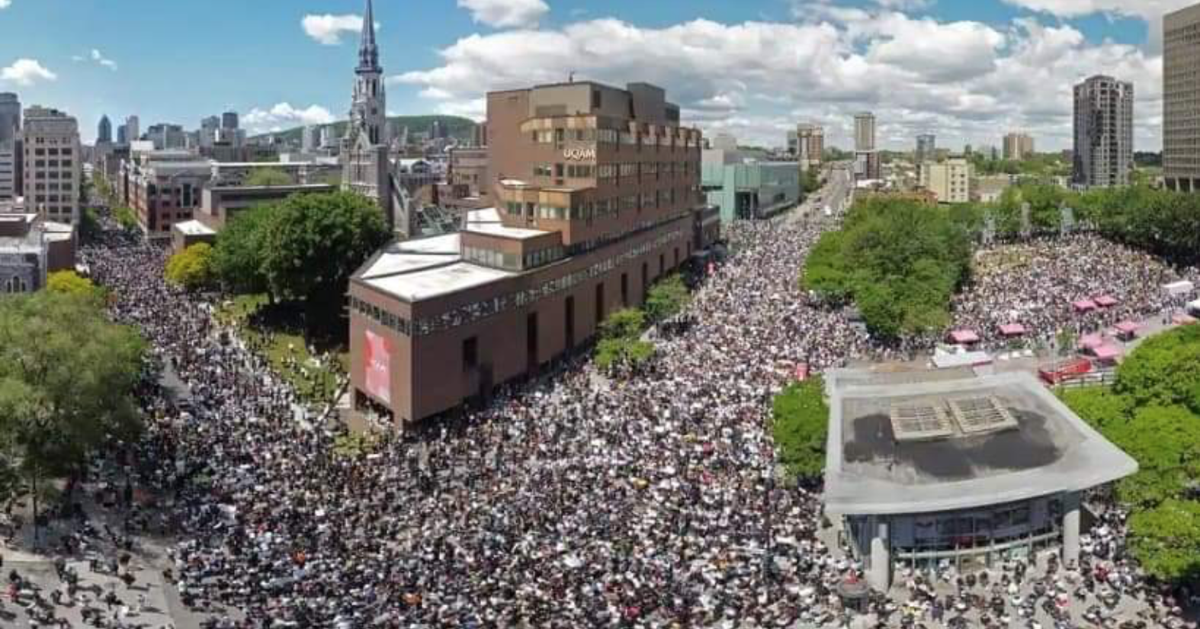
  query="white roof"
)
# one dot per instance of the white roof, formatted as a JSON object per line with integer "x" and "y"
{"x": 415, "y": 255}
{"x": 437, "y": 281}
{"x": 194, "y": 228}
{"x": 487, "y": 221}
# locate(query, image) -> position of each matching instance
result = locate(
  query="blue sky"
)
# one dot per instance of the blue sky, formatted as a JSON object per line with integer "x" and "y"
{"x": 749, "y": 67}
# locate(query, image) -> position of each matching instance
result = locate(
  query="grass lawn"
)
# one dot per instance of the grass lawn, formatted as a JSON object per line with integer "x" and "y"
{"x": 277, "y": 332}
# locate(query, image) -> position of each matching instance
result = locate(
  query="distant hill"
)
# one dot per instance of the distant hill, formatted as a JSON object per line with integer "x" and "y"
{"x": 457, "y": 127}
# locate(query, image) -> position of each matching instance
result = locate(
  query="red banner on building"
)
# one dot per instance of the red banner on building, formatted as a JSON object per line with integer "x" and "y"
{"x": 377, "y": 363}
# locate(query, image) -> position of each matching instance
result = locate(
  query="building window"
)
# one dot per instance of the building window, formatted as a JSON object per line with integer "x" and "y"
{"x": 470, "y": 353}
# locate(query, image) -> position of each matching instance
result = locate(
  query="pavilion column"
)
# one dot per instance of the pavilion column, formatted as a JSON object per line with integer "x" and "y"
{"x": 880, "y": 575}
{"x": 1071, "y": 506}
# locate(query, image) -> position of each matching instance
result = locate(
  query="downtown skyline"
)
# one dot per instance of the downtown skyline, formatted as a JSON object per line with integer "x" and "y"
{"x": 965, "y": 71}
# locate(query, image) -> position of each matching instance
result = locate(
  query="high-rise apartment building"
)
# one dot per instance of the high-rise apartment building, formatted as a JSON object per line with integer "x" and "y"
{"x": 810, "y": 145}
{"x": 10, "y": 147}
{"x": 10, "y": 117}
{"x": 864, "y": 132}
{"x": 133, "y": 129}
{"x": 597, "y": 193}
{"x": 52, "y": 164}
{"x": 926, "y": 147}
{"x": 310, "y": 138}
{"x": 1181, "y": 99}
{"x": 104, "y": 134}
{"x": 1103, "y": 132}
{"x": 950, "y": 180}
{"x": 166, "y": 136}
{"x": 1018, "y": 146}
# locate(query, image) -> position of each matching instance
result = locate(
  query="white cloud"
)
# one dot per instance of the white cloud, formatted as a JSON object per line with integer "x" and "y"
{"x": 283, "y": 115}
{"x": 506, "y": 13}
{"x": 4, "y": 4}
{"x": 26, "y": 72}
{"x": 102, "y": 60}
{"x": 328, "y": 29}
{"x": 968, "y": 82}
{"x": 1146, "y": 9}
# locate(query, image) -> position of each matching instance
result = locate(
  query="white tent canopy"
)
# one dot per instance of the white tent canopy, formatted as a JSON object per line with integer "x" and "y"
{"x": 1182, "y": 287}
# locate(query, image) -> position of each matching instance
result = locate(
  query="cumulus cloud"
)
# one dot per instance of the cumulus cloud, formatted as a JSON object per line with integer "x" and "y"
{"x": 26, "y": 72}
{"x": 966, "y": 81}
{"x": 1145, "y": 9}
{"x": 328, "y": 29}
{"x": 283, "y": 115}
{"x": 4, "y": 4}
{"x": 506, "y": 13}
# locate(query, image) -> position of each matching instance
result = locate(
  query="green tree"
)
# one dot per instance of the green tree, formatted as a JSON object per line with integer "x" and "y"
{"x": 71, "y": 283}
{"x": 192, "y": 267}
{"x": 67, "y": 376}
{"x": 800, "y": 424}
{"x": 1165, "y": 441}
{"x": 315, "y": 242}
{"x": 237, "y": 258}
{"x": 898, "y": 260}
{"x": 666, "y": 299}
{"x": 1164, "y": 370}
{"x": 620, "y": 341}
{"x": 1098, "y": 406}
{"x": 1166, "y": 540}
{"x": 126, "y": 218}
{"x": 269, "y": 177}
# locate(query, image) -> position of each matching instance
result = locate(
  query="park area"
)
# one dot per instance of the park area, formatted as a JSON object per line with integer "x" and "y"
{"x": 315, "y": 367}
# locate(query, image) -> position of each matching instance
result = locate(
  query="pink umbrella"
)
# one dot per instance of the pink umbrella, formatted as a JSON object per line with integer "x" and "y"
{"x": 1106, "y": 301}
{"x": 963, "y": 337}
{"x": 1012, "y": 329}
{"x": 1128, "y": 327}
{"x": 1084, "y": 305}
{"x": 1091, "y": 341}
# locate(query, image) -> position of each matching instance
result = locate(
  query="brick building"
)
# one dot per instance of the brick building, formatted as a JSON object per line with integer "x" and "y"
{"x": 597, "y": 193}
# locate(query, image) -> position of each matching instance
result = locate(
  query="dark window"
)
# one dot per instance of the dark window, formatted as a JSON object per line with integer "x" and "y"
{"x": 470, "y": 353}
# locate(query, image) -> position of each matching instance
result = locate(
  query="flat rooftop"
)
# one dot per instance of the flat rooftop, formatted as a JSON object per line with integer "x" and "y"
{"x": 1037, "y": 446}
{"x": 426, "y": 268}
{"x": 487, "y": 221}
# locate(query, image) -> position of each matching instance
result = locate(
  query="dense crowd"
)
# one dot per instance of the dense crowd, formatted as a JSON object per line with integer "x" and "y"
{"x": 1037, "y": 284}
{"x": 577, "y": 501}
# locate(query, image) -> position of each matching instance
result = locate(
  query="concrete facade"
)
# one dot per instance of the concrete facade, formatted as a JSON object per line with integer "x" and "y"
{"x": 949, "y": 180}
{"x": 1017, "y": 146}
{"x": 1103, "y": 132}
{"x": 30, "y": 249}
{"x": 52, "y": 164}
{"x": 974, "y": 494}
{"x": 810, "y": 145}
{"x": 926, "y": 147}
{"x": 1181, "y": 100}
{"x": 864, "y": 131}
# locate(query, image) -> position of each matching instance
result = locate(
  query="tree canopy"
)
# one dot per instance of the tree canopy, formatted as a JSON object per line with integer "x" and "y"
{"x": 237, "y": 257}
{"x": 899, "y": 260}
{"x": 666, "y": 298}
{"x": 800, "y": 424}
{"x": 620, "y": 343}
{"x": 1153, "y": 414}
{"x": 66, "y": 380}
{"x": 71, "y": 283}
{"x": 312, "y": 243}
{"x": 192, "y": 267}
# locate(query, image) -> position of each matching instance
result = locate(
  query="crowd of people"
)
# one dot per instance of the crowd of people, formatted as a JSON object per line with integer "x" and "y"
{"x": 575, "y": 501}
{"x": 1037, "y": 284}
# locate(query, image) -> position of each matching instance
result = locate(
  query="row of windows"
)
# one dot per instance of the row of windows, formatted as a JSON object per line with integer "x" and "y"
{"x": 511, "y": 261}
{"x": 608, "y": 136}
{"x": 53, "y": 185}
{"x": 51, "y": 151}
{"x": 480, "y": 310}
{"x": 587, "y": 210}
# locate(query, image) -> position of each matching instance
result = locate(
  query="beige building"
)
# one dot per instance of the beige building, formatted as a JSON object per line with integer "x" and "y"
{"x": 949, "y": 180}
{"x": 810, "y": 145}
{"x": 52, "y": 164}
{"x": 1018, "y": 146}
{"x": 1181, "y": 99}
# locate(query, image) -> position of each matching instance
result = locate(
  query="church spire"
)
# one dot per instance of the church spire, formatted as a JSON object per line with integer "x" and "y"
{"x": 368, "y": 52}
